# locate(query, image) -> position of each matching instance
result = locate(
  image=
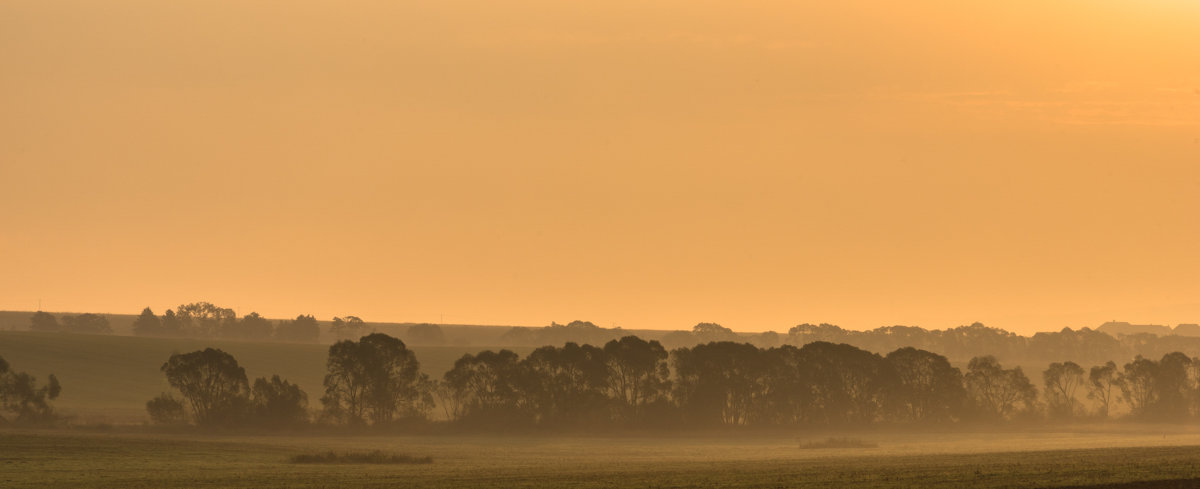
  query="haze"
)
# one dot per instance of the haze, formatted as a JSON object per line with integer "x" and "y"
{"x": 645, "y": 164}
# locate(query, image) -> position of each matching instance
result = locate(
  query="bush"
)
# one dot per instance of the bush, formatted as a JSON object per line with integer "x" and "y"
{"x": 373, "y": 457}
{"x": 842, "y": 442}
{"x": 166, "y": 409}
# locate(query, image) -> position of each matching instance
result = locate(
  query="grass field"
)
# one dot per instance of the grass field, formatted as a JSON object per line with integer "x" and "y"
{"x": 84, "y": 460}
{"x": 108, "y": 379}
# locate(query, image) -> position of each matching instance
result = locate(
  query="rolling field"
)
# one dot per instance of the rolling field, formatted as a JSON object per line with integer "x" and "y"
{"x": 108, "y": 379}
{"x": 66, "y": 459}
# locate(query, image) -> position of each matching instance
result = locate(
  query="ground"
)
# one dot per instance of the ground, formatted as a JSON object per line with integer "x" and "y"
{"x": 39, "y": 459}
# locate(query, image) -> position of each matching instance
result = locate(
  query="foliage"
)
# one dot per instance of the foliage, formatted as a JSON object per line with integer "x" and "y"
{"x": 302, "y": 329}
{"x": 278, "y": 402}
{"x": 166, "y": 409}
{"x": 23, "y": 400}
{"x": 998, "y": 393}
{"x": 212, "y": 383}
{"x": 374, "y": 379}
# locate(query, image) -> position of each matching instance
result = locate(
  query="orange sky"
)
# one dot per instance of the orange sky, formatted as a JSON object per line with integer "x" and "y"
{"x": 641, "y": 163}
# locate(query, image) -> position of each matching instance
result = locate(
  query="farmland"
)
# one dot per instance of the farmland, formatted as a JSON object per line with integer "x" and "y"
{"x": 90, "y": 460}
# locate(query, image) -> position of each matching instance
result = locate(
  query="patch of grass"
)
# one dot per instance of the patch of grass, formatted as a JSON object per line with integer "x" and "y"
{"x": 371, "y": 457}
{"x": 836, "y": 442}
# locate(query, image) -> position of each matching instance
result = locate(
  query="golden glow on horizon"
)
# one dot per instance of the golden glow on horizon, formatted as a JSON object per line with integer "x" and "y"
{"x": 649, "y": 164}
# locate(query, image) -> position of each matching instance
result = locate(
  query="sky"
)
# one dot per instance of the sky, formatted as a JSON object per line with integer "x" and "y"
{"x": 647, "y": 164}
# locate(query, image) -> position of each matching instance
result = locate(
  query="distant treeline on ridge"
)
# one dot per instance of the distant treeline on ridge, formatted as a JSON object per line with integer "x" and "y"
{"x": 1108, "y": 342}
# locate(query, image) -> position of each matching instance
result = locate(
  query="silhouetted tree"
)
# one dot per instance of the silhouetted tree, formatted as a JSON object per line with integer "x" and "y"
{"x": 147, "y": 324}
{"x": 302, "y": 329}
{"x": 347, "y": 328}
{"x": 850, "y": 385}
{"x": 1103, "y": 385}
{"x": 373, "y": 380}
{"x": 710, "y": 332}
{"x": 44, "y": 321}
{"x": 172, "y": 325}
{"x": 485, "y": 388}
{"x": 23, "y": 400}
{"x": 425, "y": 334}
{"x": 928, "y": 389}
{"x": 166, "y": 409}
{"x": 719, "y": 383}
{"x": 1137, "y": 385}
{"x": 277, "y": 402}
{"x": 1061, "y": 381}
{"x": 86, "y": 324}
{"x": 251, "y": 327}
{"x": 212, "y": 383}
{"x": 637, "y": 374}
{"x": 996, "y": 392}
{"x": 203, "y": 319}
{"x": 566, "y": 386}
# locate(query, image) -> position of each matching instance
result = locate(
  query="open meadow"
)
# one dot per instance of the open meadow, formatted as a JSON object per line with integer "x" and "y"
{"x": 40, "y": 459}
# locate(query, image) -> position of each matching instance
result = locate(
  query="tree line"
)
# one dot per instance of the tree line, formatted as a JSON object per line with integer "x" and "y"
{"x": 206, "y": 320}
{"x": 630, "y": 382}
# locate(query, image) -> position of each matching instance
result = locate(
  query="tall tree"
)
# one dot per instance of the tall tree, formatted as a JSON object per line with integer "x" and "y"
{"x": 638, "y": 374}
{"x": 1061, "y": 381}
{"x": 204, "y": 319}
{"x": 1104, "y": 384}
{"x": 147, "y": 324}
{"x": 374, "y": 380}
{"x": 997, "y": 392}
{"x": 278, "y": 402}
{"x": 212, "y": 383}
{"x": 43, "y": 321}
{"x": 928, "y": 389}
{"x": 302, "y": 329}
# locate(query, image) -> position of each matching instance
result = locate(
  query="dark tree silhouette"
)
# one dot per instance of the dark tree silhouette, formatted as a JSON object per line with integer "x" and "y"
{"x": 849, "y": 384}
{"x": 1137, "y": 386}
{"x": 302, "y": 329}
{"x": 147, "y": 324}
{"x": 567, "y": 385}
{"x": 86, "y": 324}
{"x": 1104, "y": 383}
{"x": 425, "y": 334}
{"x": 719, "y": 383}
{"x": 485, "y": 389}
{"x": 212, "y": 383}
{"x": 638, "y": 374}
{"x": 928, "y": 389}
{"x": 996, "y": 392}
{"x": 23, "y": 400}
{"x": 251, "y": 327}
{"x": 44, "y": 321}
{"x": 277, "y": 402}
{"x": 374, "y": 380}
{"x": 1061, "y": 381}
{"x": 166, "y": 409}
{"x": 204, "y": 319}
{"x": 347, "y": 328}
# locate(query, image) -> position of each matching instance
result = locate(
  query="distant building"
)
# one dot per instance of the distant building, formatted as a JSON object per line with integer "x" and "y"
{"x": 1116, "y": 328}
